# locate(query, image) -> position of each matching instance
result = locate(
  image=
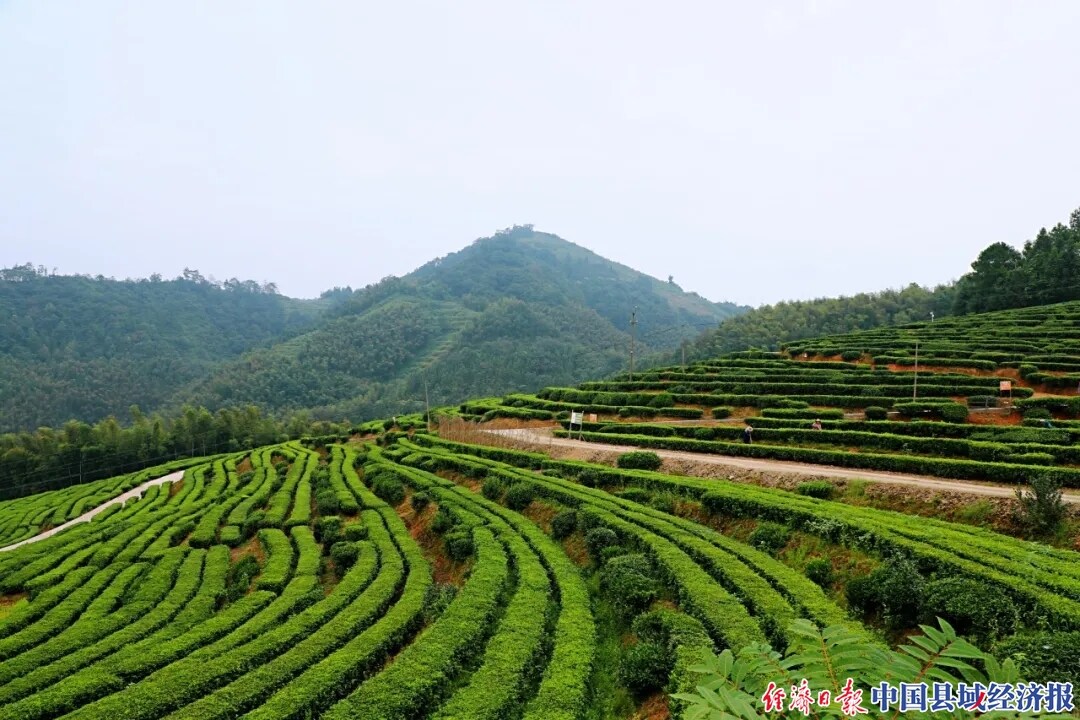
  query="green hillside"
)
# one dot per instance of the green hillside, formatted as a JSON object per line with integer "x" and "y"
{"x": 277, "y": 582}
{"x": 82, "y": 347}
{"x": 513, "y": 311}
{"x": 878, "y": 410}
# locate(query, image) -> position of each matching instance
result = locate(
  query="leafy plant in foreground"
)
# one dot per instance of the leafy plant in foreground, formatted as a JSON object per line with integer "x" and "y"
{"x": 731, "y": 686}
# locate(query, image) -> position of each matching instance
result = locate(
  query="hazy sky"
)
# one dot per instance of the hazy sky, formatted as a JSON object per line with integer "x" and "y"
{"x": 756, "y": 151}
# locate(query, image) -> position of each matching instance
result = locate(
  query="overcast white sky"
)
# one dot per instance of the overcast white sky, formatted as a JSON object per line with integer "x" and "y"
{"x": 757, "y": 151}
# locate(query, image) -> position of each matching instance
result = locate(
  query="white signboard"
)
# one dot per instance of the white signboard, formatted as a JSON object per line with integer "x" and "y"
{"x": 576, "y": 418}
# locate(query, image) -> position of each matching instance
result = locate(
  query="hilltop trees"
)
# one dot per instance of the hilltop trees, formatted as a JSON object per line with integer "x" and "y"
{"x": 1046, "y": 271}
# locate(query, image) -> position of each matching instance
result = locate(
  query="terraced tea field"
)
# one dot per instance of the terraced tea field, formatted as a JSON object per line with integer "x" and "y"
{"x": 396, "y": 573}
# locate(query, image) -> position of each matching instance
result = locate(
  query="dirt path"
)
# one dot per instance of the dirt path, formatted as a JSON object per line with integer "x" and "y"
{"x": 89, "y": 515}
{"x": 543, "y": 437}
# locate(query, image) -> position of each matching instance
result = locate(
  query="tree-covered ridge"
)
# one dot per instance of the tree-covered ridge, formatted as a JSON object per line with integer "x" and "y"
{"x": 768, "y": 326}
{"x": 82, "y": 347}
{"x": 1046, "y": 270}
{"x": 511, "y": 312}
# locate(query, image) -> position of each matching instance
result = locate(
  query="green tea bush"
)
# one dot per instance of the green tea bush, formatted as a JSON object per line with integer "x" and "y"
{"x": 1037, "y": 413}
{"x": 599, "y": 538}
{"x": 971, "y": 607}
{"x": 820, "y": 571}
{"x": 895, "y": 588}
{"x": 1033, "y": 458}
{"x": 644, "y": 668}
{"x": 629, "y": 583}
{"x": 328, "y": 530}
{"x": 821, "y": 489}
{"x": 564, "y": 524}
{"x": 721, "y": 411}
{"x": 355, "y": 532}
{"x": 389, "y": 489}
{"x": 954, "y": 412}
{"x": 519, "y": 496}
{"x": 664, "y": 503}
{"x": 636, "y": 494}
{"x": 875, "y": 412}
{"x": 344, "y": 555}
{"x": 327, "y": 502}
{"x": 704, "y": 433}
{"x": 443, "y": 521}
{"x": 493, "y": 488}
{"x": 419, "y": 501}
{"x": 770, "y": 536}
{"x": 1044, "y": 656}
{"x": 662, "y": 400}
{"x": 639, "y": 460}
{"x": 850, "y": 355}
{"x": 459, "y": 544}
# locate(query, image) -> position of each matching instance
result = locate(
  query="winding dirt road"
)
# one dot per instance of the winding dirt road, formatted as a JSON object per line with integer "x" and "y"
{"x": 542, "y": 437}
{"x": 134, "y": 492}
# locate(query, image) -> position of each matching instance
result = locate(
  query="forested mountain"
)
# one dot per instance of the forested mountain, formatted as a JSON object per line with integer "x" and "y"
{"x": 82, "y": 347}
{"x": 518, "y": 310}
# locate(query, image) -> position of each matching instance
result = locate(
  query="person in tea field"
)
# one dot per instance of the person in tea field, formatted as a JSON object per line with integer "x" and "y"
{"x": 816, "y": 425}
{"x": 748, "y": 435}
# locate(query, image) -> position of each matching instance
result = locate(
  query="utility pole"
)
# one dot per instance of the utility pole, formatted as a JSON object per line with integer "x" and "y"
{"x": 427, "y": 404}
{"x": 915, "y": 387}
{"x": 633, "y": 328}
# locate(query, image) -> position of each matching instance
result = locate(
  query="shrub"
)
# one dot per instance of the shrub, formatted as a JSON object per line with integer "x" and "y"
{"x": 850, "y": 355}
{"x": 239, "y": 577}
{"x": 327, "y": 502}
{"x": 588, "y": 478}
{"x": 770, "y": 536}
{"x": 419, "y": 501}
{"x": 389, "y": 489}
{"x": 1033, "y": 458}
{"x": 612, "y": 551}
{"x": 861, "y": 595}
{"x": 971, "y": 607}
{"x": 663, "y": 400}
{"x": 344, "y": 555}
{"x": 599, "y": 538}
{"x": 628, "y": 582}
{"x": 664, "y": 503}
{"x": 443, "y": 521}
{"x": 459, "y": 544}
{"x": 519, "y": 496}
{"x": 1044, "y": 656}
{"x": 636, "y": 494}
{"x": 328, "y": 530}
{"x": 644, "y": 668}
{"x": 704, "y": 433}
{"x": 820, "y": 571}
{"x": 355, "y": 532}
{"x": 720, "y": 412}
{"x": 895, "y": 588}
{"x": 954, "y": 412}
{"x": 1041, "y": 510}
{"x": 821, "y": 489}
{"x": 1037, "y": 413}
{"x": 1028, "y": 369}
{"x": 493, "y": 488}
{"x": 639, "y": 460}
{"x": 563, "y": 524}
{"x": 437, "y": 598}
{"x": 875, "y": 412}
